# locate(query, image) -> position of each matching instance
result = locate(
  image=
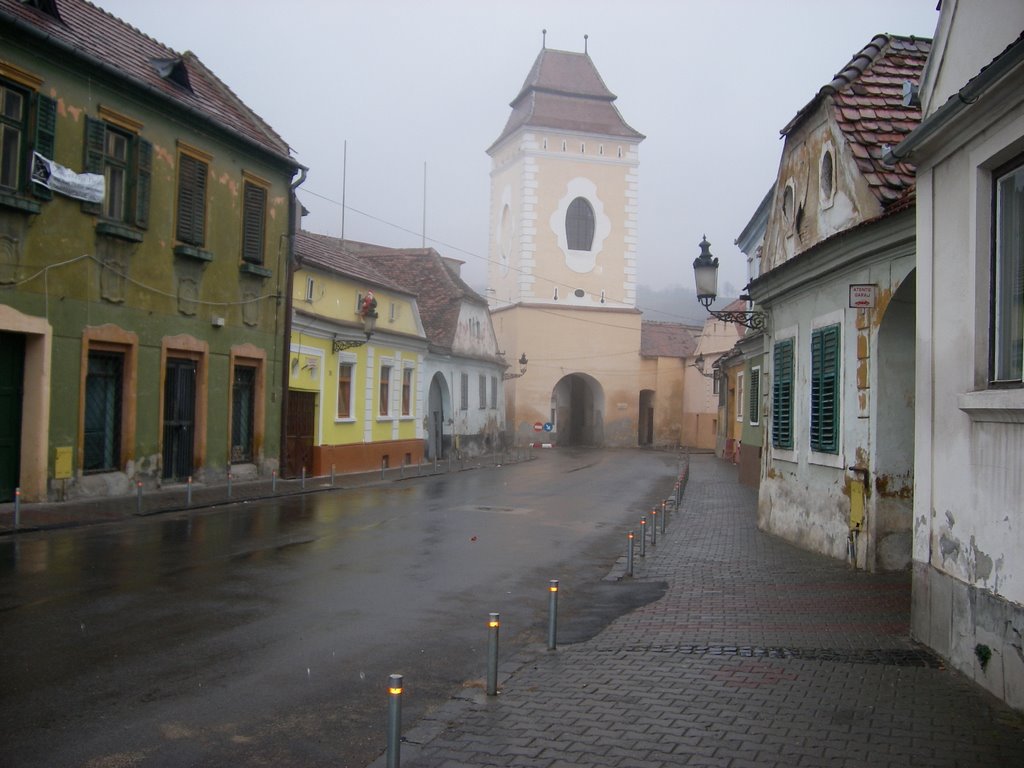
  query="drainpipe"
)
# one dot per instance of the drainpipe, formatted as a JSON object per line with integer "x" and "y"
{"x": 293, "y": 225}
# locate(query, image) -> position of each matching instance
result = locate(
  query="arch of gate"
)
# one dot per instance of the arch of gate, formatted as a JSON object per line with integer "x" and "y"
{"x": 577, "y": 402}
{"x": 439, "y": 415}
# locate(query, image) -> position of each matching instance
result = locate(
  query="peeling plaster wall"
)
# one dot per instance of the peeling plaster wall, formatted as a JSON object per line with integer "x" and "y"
{"x": 968, "y": 586}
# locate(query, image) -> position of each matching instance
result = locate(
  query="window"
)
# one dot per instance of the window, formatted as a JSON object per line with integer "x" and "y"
{"x": 1007, "y": 322}
{"x": 254, "y": 217}
{"x": 716, "y": 382}
{"x": 13, "y": 119}
{"x": 192, "y": 174}
{"x": 345, "y": 390}
{"x": 310, "y": 286}
{"x": 483, "y": 391}
{"x": 407, "y": 391}
{"x": 825, "y": 389}
{"x": 740, "y": 396}
{"x": 385, "y": 390}
{"x": 243, "y": 412}
{"x": 782, "y": 395}
{"x": 754, "y": 398}
{"x": 494, "y": 392}
{"x": 826, "y": 176}
{"x": 102, "y": 436}
{"x": 126, "y": 163}
{"x": 464, "y": 392}
{"x": 579, "y": 225}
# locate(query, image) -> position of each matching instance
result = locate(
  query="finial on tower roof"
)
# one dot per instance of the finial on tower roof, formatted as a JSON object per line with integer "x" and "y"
{"x": 585, "y": 38}
{"x": 543, "y": 38}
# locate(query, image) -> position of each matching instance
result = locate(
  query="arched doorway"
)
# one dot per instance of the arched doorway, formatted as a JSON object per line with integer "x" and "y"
{"x": 892, "y": 486}
{"x": 439, "y": 415}
{"x": 578, "y": 405}
{"x": 645, "y": 422}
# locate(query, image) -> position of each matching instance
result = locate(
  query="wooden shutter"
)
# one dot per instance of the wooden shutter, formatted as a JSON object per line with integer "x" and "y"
{"x": 754, "y": 397}
{"x": 253, "y": 222}
{"x": 45, "y": 140}
{"x": 191, "y": 200}
{"x": 825, "y": 389}
{"x": 143, "y": 173}
{"x": 95, "y": 140}
{"x": 782, "y": 395}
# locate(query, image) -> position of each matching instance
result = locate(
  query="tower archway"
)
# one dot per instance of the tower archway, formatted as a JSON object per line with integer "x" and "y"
{"x": 577, "y": 402}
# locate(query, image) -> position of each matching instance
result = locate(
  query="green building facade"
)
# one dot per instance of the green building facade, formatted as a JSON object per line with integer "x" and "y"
{"x": 143, "y": 285}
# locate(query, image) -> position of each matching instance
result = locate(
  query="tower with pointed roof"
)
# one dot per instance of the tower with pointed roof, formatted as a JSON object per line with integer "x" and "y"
{"x": 563, "y": 253}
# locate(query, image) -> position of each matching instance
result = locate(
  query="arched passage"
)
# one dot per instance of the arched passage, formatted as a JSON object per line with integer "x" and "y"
{"x": 439, "y": 416}
{"x": 892, "y": 491}
{"x": 578, "y": 404}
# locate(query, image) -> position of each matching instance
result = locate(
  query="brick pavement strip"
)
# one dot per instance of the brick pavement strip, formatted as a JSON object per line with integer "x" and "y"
{"x": 759, "y": 654}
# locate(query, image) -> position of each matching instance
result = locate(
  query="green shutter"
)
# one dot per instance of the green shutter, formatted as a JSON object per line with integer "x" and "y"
{"x": 782, "y": 395}
{"x": 95, "y": 140}
{"x": 143, "y": 172}
{"x": 191, "y": 201}
{"x": 825, "y": 389}
{"x": 253, "y": 218}
{"x": 45, "y": 142}
{"x": 754, "y": 397}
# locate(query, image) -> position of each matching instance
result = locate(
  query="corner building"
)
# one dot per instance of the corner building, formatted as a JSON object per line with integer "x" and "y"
{"x": 563, "y": 258}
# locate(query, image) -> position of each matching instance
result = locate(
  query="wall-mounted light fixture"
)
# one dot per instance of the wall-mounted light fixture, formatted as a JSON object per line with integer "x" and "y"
{"x": 698, "y": 363}
{"x": 368, "y": 313}
{"x": 705, "y": 275}
{"x": 522, "y": 369}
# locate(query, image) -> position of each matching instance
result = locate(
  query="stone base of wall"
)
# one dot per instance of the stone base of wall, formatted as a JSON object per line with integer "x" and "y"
{"x": 365, "y": 457}
{"x": 966, "y": 625}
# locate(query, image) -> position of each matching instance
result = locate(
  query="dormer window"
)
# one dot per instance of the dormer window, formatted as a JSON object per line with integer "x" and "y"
{"x": 173, "y": 70}
{"x": 49, "y": 7}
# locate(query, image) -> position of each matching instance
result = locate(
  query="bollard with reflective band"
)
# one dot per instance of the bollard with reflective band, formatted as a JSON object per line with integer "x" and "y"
{"x": 654, "y": 527}
{"x": 664, "y": 515}
{"x": 394, "y": 720}
{"x": 643, "y": 537}
{"x": 188, "y": 491}
{"x": 273, "y": 481}
{"x": 138, "y": 497}
{"x": 229, "y": 485}
{"x": 629, "y": 555}
{"x": 552, "y": 614}
{"x": 332, "y": 474}
{"x": 492, "y": 654}
{"x": 303, "y": 478}
{"x": 17, "y": 508}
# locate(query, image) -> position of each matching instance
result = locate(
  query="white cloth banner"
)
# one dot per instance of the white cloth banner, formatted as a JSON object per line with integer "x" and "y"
{"x": 81, "y": 186}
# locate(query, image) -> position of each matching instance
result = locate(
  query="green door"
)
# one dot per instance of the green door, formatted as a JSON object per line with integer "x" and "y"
{"x": 12, "y": 371}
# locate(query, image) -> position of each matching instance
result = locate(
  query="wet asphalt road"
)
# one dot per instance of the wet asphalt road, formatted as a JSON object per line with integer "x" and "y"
{"x": 264, "y": 633}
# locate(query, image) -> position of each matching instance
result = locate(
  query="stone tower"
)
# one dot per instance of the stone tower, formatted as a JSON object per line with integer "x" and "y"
{"x": 563, "y": 254}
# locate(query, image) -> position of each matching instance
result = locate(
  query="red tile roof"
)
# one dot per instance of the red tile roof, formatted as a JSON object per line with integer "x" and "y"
{"x": 867, "y": 99}
{"x": 565, "y": 92}
{"x": 668, "y": 339}
{"x": 439, "y": 289}
{"x": 97, "y": 38}
{"x": 333, "y": 255}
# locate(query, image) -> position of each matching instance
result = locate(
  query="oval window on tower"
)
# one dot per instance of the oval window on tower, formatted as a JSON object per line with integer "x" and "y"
{"x": 579, "y": 225}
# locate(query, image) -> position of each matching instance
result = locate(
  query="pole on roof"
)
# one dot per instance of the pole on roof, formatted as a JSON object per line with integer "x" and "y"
{"x": 424, "y": 243}
{"x": 344, "y": 175}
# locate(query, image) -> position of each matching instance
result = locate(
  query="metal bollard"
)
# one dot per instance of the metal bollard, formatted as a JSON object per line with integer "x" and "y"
{"x": 382, "y": 463}
{"x": 394, "y": 720}
{"x": 492, "y": 654}
{"x": 17, "y": 508}
{"x": 552, "y": 614}
{"x": 664, "y": 515}
{"x": 654, "y": 527}
{"x": 273, "y": 481}
{"x": 332, "y": 474}
{"x": 188, "y": 492}
{"x": 138, "y": 497}
{"x": 229, "y": 485}
{"x": 643, "y": 537}
{"x": 629, "y": 555}
{"x": 303, "y": 478}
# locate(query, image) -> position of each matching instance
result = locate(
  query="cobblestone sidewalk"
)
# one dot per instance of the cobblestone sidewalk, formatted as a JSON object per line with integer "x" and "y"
{"x": 759, "y": 654}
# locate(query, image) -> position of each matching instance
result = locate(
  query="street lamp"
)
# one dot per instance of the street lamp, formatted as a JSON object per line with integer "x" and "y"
{"x": 705, "y": 275}
{"x": 698, "y": 363}
{"x": 368, "y": 312}
{"x": 522, "y": 369}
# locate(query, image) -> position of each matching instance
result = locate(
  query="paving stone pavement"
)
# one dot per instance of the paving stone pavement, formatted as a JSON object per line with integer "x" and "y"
{"x": 759, "y": 654}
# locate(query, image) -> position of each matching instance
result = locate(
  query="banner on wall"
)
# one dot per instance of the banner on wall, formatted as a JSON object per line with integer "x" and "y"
{"x": 81, "y": 186}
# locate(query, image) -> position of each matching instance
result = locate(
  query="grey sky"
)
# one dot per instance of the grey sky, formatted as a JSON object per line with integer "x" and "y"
{"x": 406, "y": 83}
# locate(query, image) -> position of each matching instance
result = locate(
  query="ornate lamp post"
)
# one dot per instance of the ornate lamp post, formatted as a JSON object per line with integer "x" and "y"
{"x": 705, "y": 275}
